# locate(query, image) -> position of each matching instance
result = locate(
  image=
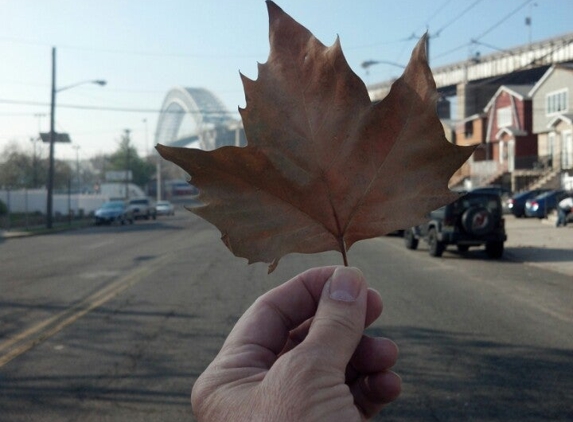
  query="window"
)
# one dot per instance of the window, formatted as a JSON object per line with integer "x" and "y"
{"x": 469, "y": 129}
{"x": 556, "y": 102}
{"x": 504, "y": 117}
{"x": 550, "y": 143}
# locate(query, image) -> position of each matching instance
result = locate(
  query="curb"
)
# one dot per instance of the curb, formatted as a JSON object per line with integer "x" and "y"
{"x": 8, "y": 234}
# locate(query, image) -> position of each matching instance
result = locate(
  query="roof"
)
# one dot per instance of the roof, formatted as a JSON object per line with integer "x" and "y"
{"x": 561, "y": 117}
{"x": 473, "y": 117}
{"x": 512, "y": 130}
{"x": 519, "y": 91}
{"x": 541, "y": 81}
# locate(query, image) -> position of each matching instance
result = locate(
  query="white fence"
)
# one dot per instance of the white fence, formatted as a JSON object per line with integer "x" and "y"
{"x": 31, "y": 201}
{"x": 483, "y": 171}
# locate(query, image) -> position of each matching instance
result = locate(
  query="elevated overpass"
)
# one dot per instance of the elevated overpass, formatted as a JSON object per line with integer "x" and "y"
{"x": 522, "y": 64}
{"x": 196, "y": 115}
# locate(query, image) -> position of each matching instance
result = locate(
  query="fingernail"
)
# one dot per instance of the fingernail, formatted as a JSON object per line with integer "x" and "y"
{"x": 345, "y": 284}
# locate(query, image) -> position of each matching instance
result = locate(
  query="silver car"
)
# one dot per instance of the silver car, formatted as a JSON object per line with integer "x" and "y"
{"x": 113, "y": 212}
{"x": 164, "y": 208}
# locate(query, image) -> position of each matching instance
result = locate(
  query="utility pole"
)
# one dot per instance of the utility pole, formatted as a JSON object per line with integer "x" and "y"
{"x": 127, "y": 153}
{"x": 159, "y": 181}
{"x": 52, "y": 138}
{"x": 50, "y": 203}
{"x": 78, "y": 177}
{"x": 146, "y": 139}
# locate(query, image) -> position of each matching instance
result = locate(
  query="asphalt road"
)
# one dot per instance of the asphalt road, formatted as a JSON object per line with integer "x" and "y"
{"x": 115, "y": 323}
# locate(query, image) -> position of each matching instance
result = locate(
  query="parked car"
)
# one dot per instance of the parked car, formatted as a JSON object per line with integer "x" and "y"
{"x": 542, "y": 204}
{"x": 164, "y": 208}
{"x": 113, "y": 212}
{"x": 503, "y": 192}
{"x": 497, "y": 189}
{"x": 475, "y": 219}
{"x": 142, "y": 208}
{"x": 516, "y": 204}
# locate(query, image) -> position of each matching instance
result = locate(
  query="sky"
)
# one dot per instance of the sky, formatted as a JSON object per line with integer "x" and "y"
{"x": 144, "y": 48}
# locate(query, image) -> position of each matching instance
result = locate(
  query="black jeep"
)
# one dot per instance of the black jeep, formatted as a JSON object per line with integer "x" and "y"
{"x": 474, "y": 219}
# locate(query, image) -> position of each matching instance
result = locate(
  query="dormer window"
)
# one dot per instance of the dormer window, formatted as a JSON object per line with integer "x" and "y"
{"x": 556, "y": 102}
{"x": 504, "y": 117}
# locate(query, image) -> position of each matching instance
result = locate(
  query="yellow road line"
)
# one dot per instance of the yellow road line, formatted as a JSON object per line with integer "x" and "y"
{"x": 45, "y": 329}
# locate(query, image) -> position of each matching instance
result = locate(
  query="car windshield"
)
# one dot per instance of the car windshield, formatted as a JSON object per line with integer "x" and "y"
{"x": 164, "y": 203}
{"x": 546, "y": 194}
{"x": 471, "y": 200}
{"x": 112, "y": 205}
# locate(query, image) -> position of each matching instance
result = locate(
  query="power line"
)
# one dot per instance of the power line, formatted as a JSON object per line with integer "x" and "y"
{"x": 131, "y": 52}
{"x": 476, "y": 40}
{"x": 493, "y": 47}
{"x": 509, "y": 15}
{"x": 438, "y": 10}
{"x": 453, "y": 50}
{"x": 467, "y": 9}
{"x": 118, "y": 109}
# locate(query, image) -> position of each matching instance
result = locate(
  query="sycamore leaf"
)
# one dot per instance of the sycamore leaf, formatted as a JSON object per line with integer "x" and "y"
{"x": 324, "y": 166}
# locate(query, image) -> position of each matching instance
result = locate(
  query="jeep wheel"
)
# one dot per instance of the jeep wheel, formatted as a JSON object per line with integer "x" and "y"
{"x": 494, "y": 249}
{"x": 436, "y": 247}
{"x": 410, "y": 240}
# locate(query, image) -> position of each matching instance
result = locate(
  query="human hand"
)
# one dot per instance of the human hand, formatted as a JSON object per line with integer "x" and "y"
{"x": 299, "y": 354}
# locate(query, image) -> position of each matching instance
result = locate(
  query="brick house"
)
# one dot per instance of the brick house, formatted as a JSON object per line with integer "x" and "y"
{"x": 510, "y": 141}
{"x": 509, "y": 135}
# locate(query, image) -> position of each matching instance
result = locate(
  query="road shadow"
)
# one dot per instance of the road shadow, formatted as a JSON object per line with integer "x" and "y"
{"x": 144, "y": 225}
{"x": 456, "y": 376}
{"x": 447, "y": 375}
{"x": 540, "y": 255}
{"x": 515, "y": 254}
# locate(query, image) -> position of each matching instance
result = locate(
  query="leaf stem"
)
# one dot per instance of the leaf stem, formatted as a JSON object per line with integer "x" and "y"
{"x": 343, "y": 250}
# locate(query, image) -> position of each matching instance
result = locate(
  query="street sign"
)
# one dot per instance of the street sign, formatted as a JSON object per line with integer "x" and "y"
{"x": 118, "y": 176}
{"x": 60, "y": 137}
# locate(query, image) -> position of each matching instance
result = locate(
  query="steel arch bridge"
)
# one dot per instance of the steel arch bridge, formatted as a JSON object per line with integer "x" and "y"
{"x": 212, "y": 121}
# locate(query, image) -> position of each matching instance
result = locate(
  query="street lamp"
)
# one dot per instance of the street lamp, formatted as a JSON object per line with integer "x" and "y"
{"x": 49, "y": 205}
{"x": 366, "y": 64}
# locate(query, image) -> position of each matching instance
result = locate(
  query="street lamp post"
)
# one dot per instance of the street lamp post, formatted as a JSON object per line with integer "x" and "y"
{"x": 146, "y": 139}
{"x": 127, "y": 164}
{"x": 50, "y": 199}
{"x": 366, "y": 64}
{"x": 78, "y": 178}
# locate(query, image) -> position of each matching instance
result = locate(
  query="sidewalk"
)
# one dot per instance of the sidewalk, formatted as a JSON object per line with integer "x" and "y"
{"x": 539, "y": 243}
{"x": 40, "y": 230}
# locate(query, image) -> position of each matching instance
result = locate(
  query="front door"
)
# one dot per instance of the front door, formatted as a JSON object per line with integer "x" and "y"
{"x": 567, "y": 154}
{"x": 507, "y": 154}
{"x": 511, "y": 155}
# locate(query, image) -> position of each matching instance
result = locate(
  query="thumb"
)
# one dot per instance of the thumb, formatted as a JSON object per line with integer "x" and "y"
{"x": 339, "y": 322}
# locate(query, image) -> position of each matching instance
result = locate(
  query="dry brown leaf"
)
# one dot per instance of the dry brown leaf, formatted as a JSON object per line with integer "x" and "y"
{"x": 324, "y": 166}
